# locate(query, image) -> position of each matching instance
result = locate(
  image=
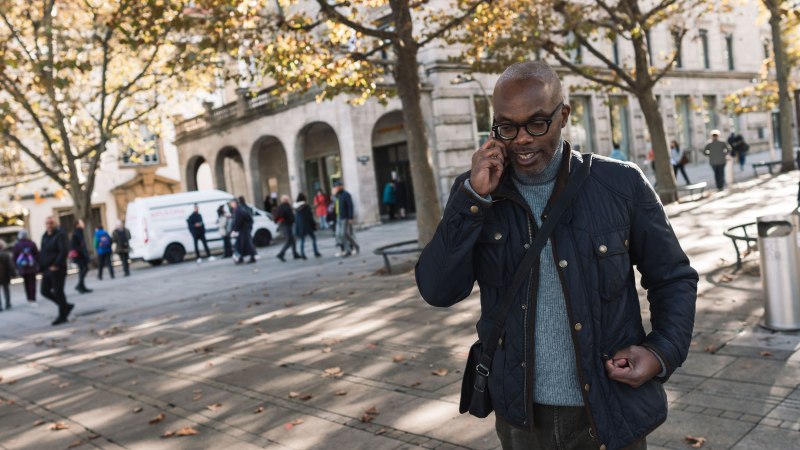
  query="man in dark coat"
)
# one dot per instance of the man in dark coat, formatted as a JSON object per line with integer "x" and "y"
{"x": 345, "y": 213}
{"x": 284, "y": 216}
{"x": 121, "y": 237}
{"x": 6, "y": 273}
{"x": 53, "y": 264}
{"x": 574, "y": 367}
{"x": 198, "y": 230}
{"x": 243, "y": 227}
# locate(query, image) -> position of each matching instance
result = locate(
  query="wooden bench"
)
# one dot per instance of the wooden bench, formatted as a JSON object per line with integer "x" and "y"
{"x": 748, "y": 234}
{"x": 692, "y": 189}
{"x": 394, "y": 249}
{"x": 767, "y": 164}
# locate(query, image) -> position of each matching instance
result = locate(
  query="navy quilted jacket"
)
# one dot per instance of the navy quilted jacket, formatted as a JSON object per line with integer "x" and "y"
{"x": 616, "y": 222}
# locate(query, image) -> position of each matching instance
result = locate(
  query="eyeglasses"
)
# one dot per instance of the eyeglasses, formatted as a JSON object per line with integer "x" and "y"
{"x": 536, "y": 127}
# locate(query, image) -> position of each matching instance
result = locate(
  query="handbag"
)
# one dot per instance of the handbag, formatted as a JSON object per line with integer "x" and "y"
{"x": 475, "y": 396}
{"x": 73, "y": 254}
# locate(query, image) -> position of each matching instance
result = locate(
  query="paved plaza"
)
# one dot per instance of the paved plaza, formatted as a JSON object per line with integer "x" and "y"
{"x": 332, "y": 354}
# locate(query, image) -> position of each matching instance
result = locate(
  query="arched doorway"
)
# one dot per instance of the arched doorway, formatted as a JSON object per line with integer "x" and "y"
{"x": 270, "y": 170}
{"x": 390, "y": 159}
{"x": 318, "y": 148}
{"x": 198, "y": 174}
{"x": 229, "y": 172}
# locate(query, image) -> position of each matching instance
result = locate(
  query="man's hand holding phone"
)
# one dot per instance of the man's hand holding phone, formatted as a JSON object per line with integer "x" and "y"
{"x": 488, "y": 164}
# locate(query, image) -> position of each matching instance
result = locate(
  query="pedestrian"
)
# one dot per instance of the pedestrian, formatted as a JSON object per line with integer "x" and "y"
{"x": 284, "y": 217}
{"x": 345, "y": 236}
{"x": 53, "y": 264}
{"x": 739, "y": 150}
{"x": 242, "y": 226}
{"x": 121, "y": 237}
{"x": 305, "y": 225}
{"x": 390, "y": 197}
{"x": 679, "y": 160}
{"x": 224, "y": 227}
{"x": 573, "y": 367}
{"x": 616, "y": 153}
{"x": 402, "y": 197}
{"x": 717, "y": 152}
{"x": 26, "y": 259}
{"x": 102, "y": 245}
{"x": 198, "y": 230}
{"x": 79, "y": 254}
{"x": 6, "y": 274}
{"x": 268, "y": 204}
{"x": 321, "y": 202}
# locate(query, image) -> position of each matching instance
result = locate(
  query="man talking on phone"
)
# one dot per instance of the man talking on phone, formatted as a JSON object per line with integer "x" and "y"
{"x": 569, "y": 365}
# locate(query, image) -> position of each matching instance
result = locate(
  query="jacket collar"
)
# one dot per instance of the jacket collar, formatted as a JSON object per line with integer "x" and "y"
{"x": 507, "y": 189}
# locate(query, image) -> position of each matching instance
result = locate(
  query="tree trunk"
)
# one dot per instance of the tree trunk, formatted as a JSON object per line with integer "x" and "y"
{"x": 665, "y": 176}
{"x": 782, "y": 76}
{"x": 407, "y": 80}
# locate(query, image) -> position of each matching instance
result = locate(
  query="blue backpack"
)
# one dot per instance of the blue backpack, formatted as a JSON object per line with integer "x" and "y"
{"x": 25, "y": 259}
{"x": 104, "y": 242}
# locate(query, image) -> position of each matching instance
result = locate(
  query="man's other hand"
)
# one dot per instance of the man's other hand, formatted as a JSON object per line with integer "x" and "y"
{"x": 634, "y": 366}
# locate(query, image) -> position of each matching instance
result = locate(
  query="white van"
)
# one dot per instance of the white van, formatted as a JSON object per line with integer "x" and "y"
{"x": 159, "y": 231}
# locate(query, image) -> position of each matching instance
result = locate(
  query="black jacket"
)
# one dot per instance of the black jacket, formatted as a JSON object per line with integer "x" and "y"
{"x": 242, "y": 220}
{"x": 78, "y": 243}
{"x": 54, "y": 249}
{"x": 305, "y": 221}
{"x": 284, "y": 215}
{"x": 192, "y": 221}
{"x": 616, "y": 222}
{"x": 345, "y": 204}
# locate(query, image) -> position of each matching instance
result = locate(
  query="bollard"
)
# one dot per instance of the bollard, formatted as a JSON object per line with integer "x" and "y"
{"x": 780, "y": 271}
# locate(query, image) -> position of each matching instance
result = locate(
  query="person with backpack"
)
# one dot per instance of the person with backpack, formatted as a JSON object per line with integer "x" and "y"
{"x": 122, "y": 239}
{"x": 6, "y": 273}
{"x": 26, "y": 259}
{"x": 79, "y": 254}
{"x": 102, "y": 243}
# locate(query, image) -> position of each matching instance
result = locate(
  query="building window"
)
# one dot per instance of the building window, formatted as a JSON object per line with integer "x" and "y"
{"x": 620, "y": 124}
{"x": 704, "y": 43}
{"x": 710, "y": 118}
{"x": 729, "y": 51}
{"x": 146, "y": 151}
{"x": 649, "y": 48}
{"x": 575, "y": 52}
{"x": 683, "y": 121}
{"x": 581, "y": 133}
{"x": 676, "y": 43}
{"x": 765, "y": 44}
{"x": 483, "y": 117}
{"x": 615, "y": 50}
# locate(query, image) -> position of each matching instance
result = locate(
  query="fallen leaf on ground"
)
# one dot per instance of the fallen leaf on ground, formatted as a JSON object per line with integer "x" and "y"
{"x": 93, "y": 436}
{"x": 398, "y": 358}
{"x": 366, "y": 418}
{"x": 130, "y": 360}
{"x": 726, "y": 278}
{"x": 293, "y": 424}
{"x": 415, "y": 384}
{"x": 259, "y": 410}
{"x": 157, "y": 419}
{"x": 133, "y": 341}
{"x": 59, "y": 426}
{"x": 168, "y": 434}
{"x": 331, "y": 341}
{"x": 260, "y": 331}
{"x": 381, "y": 431}
{"x": 214, "y": 406}
{"x": 38, "y": 423}
{"x": 341, "y": 393}
{"x": 334, "y": 372}
{"x": 134, "y": 382}
{"x": 440, "y": 372}
{"x": 209, "y": 364}
{"x": 710, "y": 349}
{"x": 137, "y": 410}
{"x": 327, "y": 350}
{"x": 372, "y": 345}
{"x": 294, "y": 394}
{"x": 372, "y": 411}
{"x": 186, "y": 431}
{"x": 74, "y": 444}
{"x": 696, "y": 442}
{"x": 289, "y": 303}
{"x": 12, "y": 382}
{"x": 63, "y": 385}
{"x": 766, "y": 353}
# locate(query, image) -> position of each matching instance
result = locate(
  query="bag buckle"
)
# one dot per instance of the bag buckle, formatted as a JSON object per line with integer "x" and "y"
{"x": 482, "y": 370}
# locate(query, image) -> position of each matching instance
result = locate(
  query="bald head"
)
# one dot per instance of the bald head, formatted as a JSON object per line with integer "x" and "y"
{"x": 529, "y": 74}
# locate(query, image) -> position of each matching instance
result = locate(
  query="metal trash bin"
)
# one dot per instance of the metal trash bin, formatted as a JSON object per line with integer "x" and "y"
{"x": 780, "y": 271}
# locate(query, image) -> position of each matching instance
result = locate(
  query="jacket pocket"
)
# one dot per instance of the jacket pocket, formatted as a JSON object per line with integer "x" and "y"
{"x": 490, "y": 254}
{"x": 613, "y": 263}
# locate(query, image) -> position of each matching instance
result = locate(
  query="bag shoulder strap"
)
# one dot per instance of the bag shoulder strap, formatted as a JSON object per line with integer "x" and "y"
{"x": 531, "y": 261}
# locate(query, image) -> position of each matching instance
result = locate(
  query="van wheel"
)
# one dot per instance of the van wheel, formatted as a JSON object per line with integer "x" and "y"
{"x": 174, "y": 253}
{"x": 155, "y": 262}
{"x": 262, "y": 238}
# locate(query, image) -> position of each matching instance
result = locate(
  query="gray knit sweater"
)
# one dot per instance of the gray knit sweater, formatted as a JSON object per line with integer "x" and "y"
{"x": 555, "y": 374}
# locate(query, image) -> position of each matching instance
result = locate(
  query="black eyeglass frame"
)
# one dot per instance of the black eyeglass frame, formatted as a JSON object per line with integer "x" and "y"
{"x": 496, "y": 126}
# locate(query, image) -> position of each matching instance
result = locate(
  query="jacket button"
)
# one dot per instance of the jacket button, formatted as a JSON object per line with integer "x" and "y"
{"x": 523, "y": 364}
{"x": 474, "y": 209}
{"x": 578, "y": 326}
{"x": 603, "y": 249}
{"x": 626, "y": 243}
{"x": 586, "y": 387}
{"x": 526, "y": 246}
{"x": 562, "y": 263}
{"x": 603, "y": 447}
{"x": 524, "y": 306}
{"x": 498, "y": 236}
{"x": 544, "y": 216}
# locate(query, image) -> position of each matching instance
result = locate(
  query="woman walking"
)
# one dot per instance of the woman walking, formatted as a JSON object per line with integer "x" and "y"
{"x": 79, "y": 254}
{"x": 305, "y": 225}
{"x": 321, "y": 203}
{"x": 26, "y": 258}
{"x": 224, "y": 226}
{"x": 102, "y": 243}
{"x": 679, "y": 160}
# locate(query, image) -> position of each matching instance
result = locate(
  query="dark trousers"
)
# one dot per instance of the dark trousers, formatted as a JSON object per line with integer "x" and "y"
{"x": 244, "y": 244}
{"x": 556, "y": 428}
{"x": 126, "y": 268}
{"x": 228, "y": 249}
{"x": 53, "y": 288}
{"x": 303, "y": 244}
{"x": 391, "y": 208}
{"x": 202, "y": 238}
{"x": 6, "y": 288}
{"x": 104, "y": 261}
{"x": 286, "y": 230}
{"x": 30, "y": 286}
{"x": 83, "y": 269}
{"x": 719, "y": 175}
{"x": 682, "y": 169}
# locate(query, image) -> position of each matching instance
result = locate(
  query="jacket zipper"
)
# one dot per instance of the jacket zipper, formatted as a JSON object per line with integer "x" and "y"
{"x": 575, "y": 345}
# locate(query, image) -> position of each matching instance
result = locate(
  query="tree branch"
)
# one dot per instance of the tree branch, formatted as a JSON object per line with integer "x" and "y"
{"x": 335, "y": 15}
{"x": 582, "y": 71}
{"x": 454, "y": 22}
{"x": 621, "y": 73}
{"x": 36, "y": 158}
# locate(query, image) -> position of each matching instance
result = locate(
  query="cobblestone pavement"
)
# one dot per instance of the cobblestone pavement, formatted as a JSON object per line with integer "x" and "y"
{"x": 327, "y": 354}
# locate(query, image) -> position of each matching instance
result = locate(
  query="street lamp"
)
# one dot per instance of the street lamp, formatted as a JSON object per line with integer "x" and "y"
{"x": 468, "y": 78}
